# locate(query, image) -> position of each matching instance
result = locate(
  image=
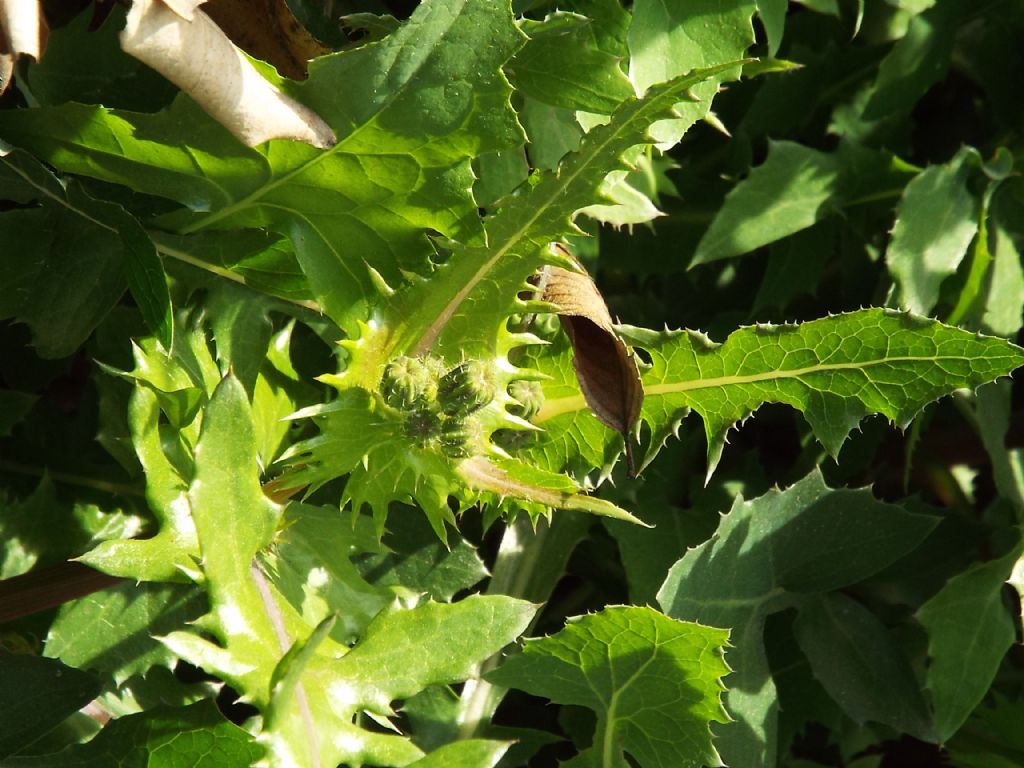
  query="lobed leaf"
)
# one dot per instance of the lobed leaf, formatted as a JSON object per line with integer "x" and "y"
{"x": 653, "y": 682}
{"x": 835, "y": 370}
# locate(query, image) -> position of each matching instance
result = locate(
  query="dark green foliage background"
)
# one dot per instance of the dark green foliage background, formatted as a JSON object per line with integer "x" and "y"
{"x": 863, "y": 583}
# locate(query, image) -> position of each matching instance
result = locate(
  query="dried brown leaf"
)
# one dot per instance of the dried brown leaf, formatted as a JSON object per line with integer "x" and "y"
{"x": 23, "y": 29}
{"x": 605, "y": 366}
{"x": 199, "y": 58}
{"x": 267, "y": 30}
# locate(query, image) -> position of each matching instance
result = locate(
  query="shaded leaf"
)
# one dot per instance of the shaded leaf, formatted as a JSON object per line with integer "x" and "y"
{"x": 769, "y": 554}
{"x": 969, "y": 632}
{"x": 860, "y": 664}
{"x": 94, "y": 246}
{"x": 130, "y": 615}
{"x": 654, "y": 683}
{"x": 794, "y": 188}
{"x": 37, "y": 695}
{"x": 198, "y": 736}
{"x": 267, "y": 31}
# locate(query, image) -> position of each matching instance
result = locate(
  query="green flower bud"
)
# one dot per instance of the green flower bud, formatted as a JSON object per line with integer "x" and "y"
{"x": 461, "y": 438}
{"x": 422, "y": 425}
{"x": 529, "y": 398}
{"x": 408, "y": 383}
{"x": 466, "y": 388}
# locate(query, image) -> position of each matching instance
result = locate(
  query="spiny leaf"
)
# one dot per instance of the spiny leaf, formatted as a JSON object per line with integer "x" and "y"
{"x": 654, "y": 683}
{"x": 836, "y": 370}
{"x": 465, "y": 304}
{"x": 668, "y": 39}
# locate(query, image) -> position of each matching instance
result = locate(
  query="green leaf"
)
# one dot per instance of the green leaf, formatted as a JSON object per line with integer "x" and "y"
{"x": 173, "y": 386}
{"x": 233, "y": 521}
{"x": 197, "y": 736}
{"x": 917, "y": 60}
{"x": 400, "y": 654}
{"x": 562, "y": 66}
{"x": 470, "y": 753}
{"x": 14, "y": 406}
{"x": 255, "y": 258}
{"x": 793, "y": 189}
{"x": 413, "y": 559}
{"x": 409, "y": 118}
{"x": 860, "y": 665}
{"x": 460, "y": 311}
{"x": 668, "y": 39}
{"x": 935, "y": 222}
{"x": 37, "y": 695}
{"x": 112, "y": 77}
{"x": 795, "y": 266}
{"x": 124, "y": 250}
{"x": 993, "y": 738}
{"x": 130, "y": 615}
{"x": 836, "y": 371}
{"x": 311, "y": 566}
{"x": 969, "y": 632}
{"x": 773, "y": 17}
{"x": 655, "y": 683}
{"x": 1004, "y": 303}
{"x": 43, "y": 529}
{"x": 769, "y": 554}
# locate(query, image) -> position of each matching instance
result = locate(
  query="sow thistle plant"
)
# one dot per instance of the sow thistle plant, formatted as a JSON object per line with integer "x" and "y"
{"x": 330, "y": 341}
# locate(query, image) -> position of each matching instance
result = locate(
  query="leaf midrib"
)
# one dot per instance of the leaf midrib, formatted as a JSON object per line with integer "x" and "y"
{"x": 270, "y": 186}
{"x": 553, "y": 408}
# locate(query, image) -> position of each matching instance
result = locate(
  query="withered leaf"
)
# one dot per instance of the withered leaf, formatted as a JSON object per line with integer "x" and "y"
{"x": 605, "y": 366}
{"x": 199, "y": 58}
{"x": 23, "y": 28}
{"x": 267, "y": 30}
{"x": 23, "y": 32}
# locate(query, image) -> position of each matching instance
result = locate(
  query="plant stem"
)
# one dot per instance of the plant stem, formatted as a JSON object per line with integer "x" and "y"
{"x": 529, "y": 564}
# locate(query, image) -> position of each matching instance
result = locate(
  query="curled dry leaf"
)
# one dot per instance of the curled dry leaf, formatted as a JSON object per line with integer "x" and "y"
{"x": 605, "y": 366}
{"x": 199, "y": 58}
{"x": 24, "y": 28}
{"x": 267, "y": 30}
{"x": 23, "y": 32}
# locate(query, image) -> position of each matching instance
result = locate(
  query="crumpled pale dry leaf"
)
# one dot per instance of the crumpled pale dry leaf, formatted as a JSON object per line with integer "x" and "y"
{"x": 24, "y": 28}
{"x": 23, "y": 32}
{"x": 199, "y": 58}
{"x": 267, "y": 30}
{"x": 605, "y": 367}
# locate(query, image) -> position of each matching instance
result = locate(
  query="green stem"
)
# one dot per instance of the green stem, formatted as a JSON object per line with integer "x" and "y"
{"x": 117, "y": 489}
{"x": 529, "y": 564}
